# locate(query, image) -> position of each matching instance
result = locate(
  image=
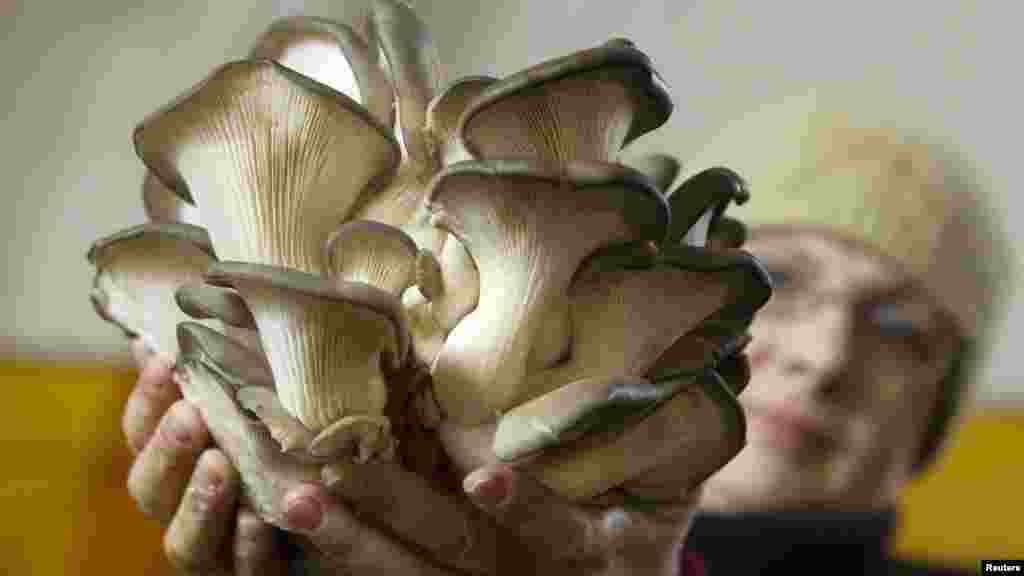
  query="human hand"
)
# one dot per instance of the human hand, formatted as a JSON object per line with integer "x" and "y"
{"x": 518, "y": 526}
{"x": 179, "y": 479}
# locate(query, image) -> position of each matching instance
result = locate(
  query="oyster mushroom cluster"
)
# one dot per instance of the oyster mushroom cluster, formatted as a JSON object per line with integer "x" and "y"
{"x": 345, "y": 254}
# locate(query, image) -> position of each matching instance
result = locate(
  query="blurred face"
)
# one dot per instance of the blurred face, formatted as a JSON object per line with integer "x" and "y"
{"x": 845, "y": 364}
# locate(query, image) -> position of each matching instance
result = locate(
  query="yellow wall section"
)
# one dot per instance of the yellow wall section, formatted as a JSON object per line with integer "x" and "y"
{"x": 66, "y": 510}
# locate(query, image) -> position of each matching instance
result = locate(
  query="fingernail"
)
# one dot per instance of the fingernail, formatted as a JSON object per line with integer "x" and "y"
{"x": 487, "y": 487}
{"x": 303, "y": 514}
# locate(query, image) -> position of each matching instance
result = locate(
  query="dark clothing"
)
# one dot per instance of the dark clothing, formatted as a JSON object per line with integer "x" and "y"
{"x": 790, "y": 543}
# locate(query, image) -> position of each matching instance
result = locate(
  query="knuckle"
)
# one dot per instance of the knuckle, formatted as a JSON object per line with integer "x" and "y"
{"x": 141, "y": 491}
{"x": 181, "y": 428}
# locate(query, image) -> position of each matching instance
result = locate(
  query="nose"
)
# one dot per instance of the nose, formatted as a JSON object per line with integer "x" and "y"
{"x": 816, "y": 348}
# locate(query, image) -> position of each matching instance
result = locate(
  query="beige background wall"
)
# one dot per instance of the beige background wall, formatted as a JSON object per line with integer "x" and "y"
{"x": 78, "y": 76}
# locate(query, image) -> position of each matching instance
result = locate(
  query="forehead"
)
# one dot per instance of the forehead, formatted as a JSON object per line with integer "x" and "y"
{"x": 835, "y": 263}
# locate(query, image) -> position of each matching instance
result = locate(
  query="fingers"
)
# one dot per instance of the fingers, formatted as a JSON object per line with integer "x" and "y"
{"x": 256, "y": 550}
{"x": 544, "y": 520}
{"x": 196, "y": 539}
{"x": 162, "y": 470}
{"x": 153, "y": 394}
{"x": 345, "y": 540}
{"x": 413, "y": 509}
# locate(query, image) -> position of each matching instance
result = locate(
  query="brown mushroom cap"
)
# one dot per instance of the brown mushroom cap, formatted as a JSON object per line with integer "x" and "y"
{"x": 585, "y": 106}
{"x": 273, "y": 159}
{"x": 333, "y": 54}
{"x": 373, "y": 253}
{"x": 326, "y": 341}
{"x": 137, "y": 271}
{"x": 527, "y": 227}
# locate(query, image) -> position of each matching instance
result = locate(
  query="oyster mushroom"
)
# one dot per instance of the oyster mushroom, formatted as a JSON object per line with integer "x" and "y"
{"x": 698, "y": 203}
{"x": 210, "y": 372}
{"x": 415, "y": 71}
{"x": 331, "y": 53}
{"x": 137, "y": 272}
{"x": 274, "y": 160}
{"x": 630, "y": 356}
{"x": 330, "y": 346}
{"x": 162, "y": 205}
{"x": 373, "y": 253}
{"x": 585, "y": 106}
{"x": 202, "y": 301}
{"x": 512, "y": 218}
{"x": 444, "y": 112}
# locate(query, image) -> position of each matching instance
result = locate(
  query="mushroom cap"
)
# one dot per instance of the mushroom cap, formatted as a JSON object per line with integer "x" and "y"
{"x": 137, "y": 272}
{"x": 527, "y": 226}
{"x": 331, "y": 53}
{"x": 373, "y": 253}
{"x": 326, "y": 341}
{"x": 616, "y": 62}
{"x": 645, "y": 210}
{"x": 701, "y": 200}
{"x": 274, "y": 159}
{"x": 204, "y": 301}
{"x": 235, "y": 363}
{"x": 234, "y": 274}
{"x": 444, "y": 111}
{"x": 677, "y": 445}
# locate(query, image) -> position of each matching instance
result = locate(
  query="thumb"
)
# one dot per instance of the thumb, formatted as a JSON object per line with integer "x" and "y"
{"x": 345, "y": 541}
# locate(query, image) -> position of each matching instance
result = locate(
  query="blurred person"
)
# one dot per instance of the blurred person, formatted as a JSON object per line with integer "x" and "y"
{"x": 886, "y": 290}
{"x": 885, "y": 283}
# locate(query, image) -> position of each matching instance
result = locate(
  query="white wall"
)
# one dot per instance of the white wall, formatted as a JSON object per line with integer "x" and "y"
{"x": 78, "y": 76}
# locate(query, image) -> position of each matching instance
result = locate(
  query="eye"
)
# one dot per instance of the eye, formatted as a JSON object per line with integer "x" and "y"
{"x": 892, "y": 320}
{"x": 896, "y": 322}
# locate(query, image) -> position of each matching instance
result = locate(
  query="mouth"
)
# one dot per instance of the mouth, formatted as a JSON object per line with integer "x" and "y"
{"x": 790, "y": 427}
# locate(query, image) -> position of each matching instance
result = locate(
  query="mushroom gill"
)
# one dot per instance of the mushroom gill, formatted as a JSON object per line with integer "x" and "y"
{"x": 330, "y": 346}
{"x": 372, "y": 253}
{"x": 512, "y": 218}
{"x": 331, "y": 53}
{"x": 444, "y": 112}
{"x": 137, "y": 271}
{"x": 585, "y": 106}
{"x": 273, "y": 159}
